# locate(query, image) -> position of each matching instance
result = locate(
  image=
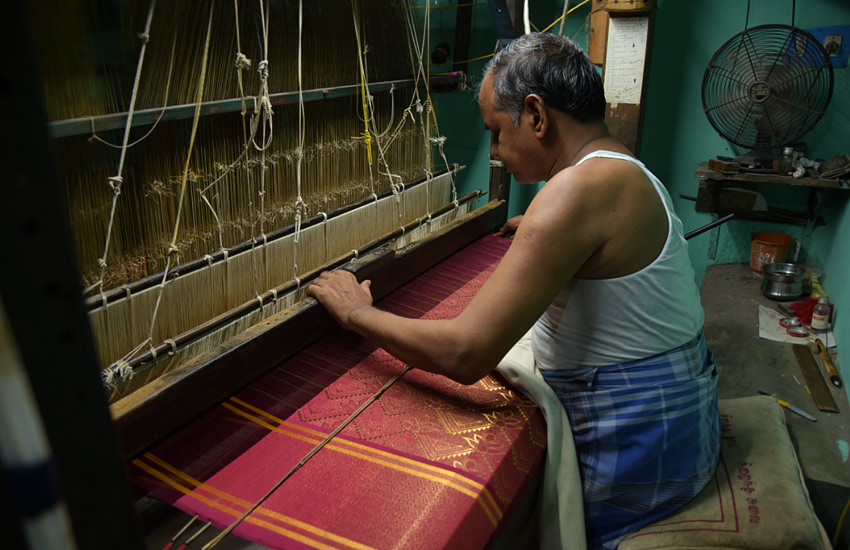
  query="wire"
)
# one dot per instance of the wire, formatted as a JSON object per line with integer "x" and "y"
{"x": 451, "y": 6}
{"x": 479, "y": 58}
{"x": 558, "y": 20}
{"x": 840, "y": 523}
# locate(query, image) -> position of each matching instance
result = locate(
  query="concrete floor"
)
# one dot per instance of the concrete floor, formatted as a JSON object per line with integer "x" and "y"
{"x": 731, "y": 295}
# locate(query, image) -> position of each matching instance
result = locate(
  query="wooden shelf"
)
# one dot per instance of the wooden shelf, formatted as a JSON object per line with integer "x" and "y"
{"x": 715, "y": 195}
{"x": 706, "y": 173}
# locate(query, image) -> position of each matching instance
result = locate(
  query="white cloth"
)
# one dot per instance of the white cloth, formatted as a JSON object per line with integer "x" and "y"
{"x": 561, "y": 506}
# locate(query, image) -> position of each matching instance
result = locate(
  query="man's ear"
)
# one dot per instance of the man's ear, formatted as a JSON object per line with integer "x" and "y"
{"x": 538, "y": 114}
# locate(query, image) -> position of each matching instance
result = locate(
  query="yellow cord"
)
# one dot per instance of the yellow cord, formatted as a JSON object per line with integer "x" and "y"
{"x": 558, "y": 20}
{"x": 555, "y": 22}
{"x": 840, "y": 523}
{"x": 200, "y": 102}
{"x": 451, "y": 6}
{"x": 366, "y": 136}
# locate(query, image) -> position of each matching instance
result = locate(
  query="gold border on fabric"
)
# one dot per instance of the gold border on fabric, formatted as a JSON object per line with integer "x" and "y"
{"x": 457, "y": 481}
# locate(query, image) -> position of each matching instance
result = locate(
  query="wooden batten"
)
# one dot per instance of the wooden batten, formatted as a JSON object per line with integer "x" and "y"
{"x": 628, "y": 6}
{"x": 169, "y": 402}
{"x": 624, "y": 123}
{"x": 598, "y": 35}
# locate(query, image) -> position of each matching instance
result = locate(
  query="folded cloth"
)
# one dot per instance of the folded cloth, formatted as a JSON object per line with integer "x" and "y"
{"x": 647, "y": 436}
{"x": 560, "y": 511}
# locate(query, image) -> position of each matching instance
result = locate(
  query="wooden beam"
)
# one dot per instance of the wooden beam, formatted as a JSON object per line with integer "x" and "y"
{"x": 598, "y": 32}
{"x": 624, "y": 123}
{"x": 626, "y": 67}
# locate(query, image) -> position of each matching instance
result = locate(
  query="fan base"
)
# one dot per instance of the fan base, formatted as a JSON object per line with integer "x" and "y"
{"x": 756, "y": 159}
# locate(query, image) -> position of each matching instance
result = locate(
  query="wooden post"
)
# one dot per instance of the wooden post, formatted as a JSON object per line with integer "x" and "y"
{"x": 620, "y": 40}
{"x": 40, "y": 290}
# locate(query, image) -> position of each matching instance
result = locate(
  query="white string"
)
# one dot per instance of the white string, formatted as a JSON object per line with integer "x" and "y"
{"x": 365, "y": 84}
{"x": 300, "y": 206}
{"x": 526, "y": 22}
{"x": 116, "y": 180}
{"x": 173, "y": 251}
{"x": 95, "y": 137}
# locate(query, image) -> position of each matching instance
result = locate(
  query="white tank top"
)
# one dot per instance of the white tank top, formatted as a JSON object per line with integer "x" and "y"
{"x": 608, "y": 321}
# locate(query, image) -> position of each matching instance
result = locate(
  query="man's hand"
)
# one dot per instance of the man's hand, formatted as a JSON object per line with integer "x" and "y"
{"x": 510, "y": 227}
{"x": 341, "y": 294}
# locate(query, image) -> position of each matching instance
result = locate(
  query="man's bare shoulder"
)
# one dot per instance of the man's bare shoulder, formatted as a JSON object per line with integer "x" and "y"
{"x": 609, "y": 205}
{"x": 599, "y": 184}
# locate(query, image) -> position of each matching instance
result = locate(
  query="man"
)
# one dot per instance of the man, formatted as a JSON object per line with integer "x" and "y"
{"x": 598, "y": 268}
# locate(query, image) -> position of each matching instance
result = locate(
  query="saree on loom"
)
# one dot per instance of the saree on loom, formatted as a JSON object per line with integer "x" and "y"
{"x": 431, "y": 464}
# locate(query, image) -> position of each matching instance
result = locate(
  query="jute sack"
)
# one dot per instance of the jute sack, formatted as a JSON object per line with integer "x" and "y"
{"x": 757, "y": 499}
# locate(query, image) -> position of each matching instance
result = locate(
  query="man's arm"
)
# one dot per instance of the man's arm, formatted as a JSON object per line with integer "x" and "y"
{"x": 561, "y": 229}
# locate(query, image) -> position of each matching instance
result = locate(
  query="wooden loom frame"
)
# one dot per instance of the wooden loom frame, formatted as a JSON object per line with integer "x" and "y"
{"x": 46, "y": 310}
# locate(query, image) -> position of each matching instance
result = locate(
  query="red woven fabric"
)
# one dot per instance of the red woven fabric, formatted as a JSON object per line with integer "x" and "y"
{"x": 431, "y": 464}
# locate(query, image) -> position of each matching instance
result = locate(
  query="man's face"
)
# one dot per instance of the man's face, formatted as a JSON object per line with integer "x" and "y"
{"x": 508, "y": 141}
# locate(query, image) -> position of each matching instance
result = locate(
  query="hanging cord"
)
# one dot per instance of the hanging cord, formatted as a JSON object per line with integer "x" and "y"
{"x": 564, "y": 17}
{"x": 242, "y": 63}
{"x": 300, "y": 206}
{"x": 364, "y": 90}
{"x": 840, "y": 524}
{"x": 743, "y": 33}
{"x": 369, "y": 117}
{"x": 95, "y": 137}
{"x": 117, "y": 180}
{"x": 211, "y": 544}
{"x": 561, "y": 20}
{"x": 425, "y": 111}
{"x": 526, "y": 22}
{"x": 267, "y": 122}
{"x": 430, "y": 117}
{"x": 364, "y": 96}
{"x": 172, "y": 247}
{"x": 265, "y": 106}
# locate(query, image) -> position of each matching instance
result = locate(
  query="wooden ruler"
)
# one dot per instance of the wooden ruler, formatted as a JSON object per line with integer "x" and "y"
{"x": 814, "y": 380}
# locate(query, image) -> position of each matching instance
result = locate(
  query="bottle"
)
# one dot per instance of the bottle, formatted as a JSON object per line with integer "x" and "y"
{"x": 820, "y": 315}
{"x": 786, "y": 165}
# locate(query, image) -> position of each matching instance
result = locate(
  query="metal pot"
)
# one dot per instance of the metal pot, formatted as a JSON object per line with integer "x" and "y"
{"x": 782, "y": 281}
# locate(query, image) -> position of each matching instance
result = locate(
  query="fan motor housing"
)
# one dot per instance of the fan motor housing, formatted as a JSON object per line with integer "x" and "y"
{"x": 759, "y": 92}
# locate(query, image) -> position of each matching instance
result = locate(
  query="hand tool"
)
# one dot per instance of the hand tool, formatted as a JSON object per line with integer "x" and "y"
{"x": 791, "y": 407}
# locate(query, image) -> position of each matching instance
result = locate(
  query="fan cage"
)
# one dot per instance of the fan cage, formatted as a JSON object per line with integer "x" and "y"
{"x": 767, "y": 86}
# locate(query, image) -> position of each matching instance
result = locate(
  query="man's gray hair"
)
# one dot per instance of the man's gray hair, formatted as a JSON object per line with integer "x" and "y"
{"x": 553, "y": 67}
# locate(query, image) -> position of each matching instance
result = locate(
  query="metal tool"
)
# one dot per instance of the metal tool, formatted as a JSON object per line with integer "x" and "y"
{"x": 791, "y": 407}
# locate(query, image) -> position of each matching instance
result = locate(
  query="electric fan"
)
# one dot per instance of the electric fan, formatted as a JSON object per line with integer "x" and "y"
{"x": 766, "y": 87}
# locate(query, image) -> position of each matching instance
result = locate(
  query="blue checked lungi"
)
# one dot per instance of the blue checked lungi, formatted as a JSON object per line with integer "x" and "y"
{"x": 647, "y": 436}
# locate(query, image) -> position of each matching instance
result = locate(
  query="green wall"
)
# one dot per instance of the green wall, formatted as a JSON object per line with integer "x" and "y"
{"x": 677, "y": 136}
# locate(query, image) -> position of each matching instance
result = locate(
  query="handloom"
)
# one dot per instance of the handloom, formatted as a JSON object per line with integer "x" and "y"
{"x": 432, "y": 464}
{"x": 253, "y": 196}
{"x": 205, "y": 194}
